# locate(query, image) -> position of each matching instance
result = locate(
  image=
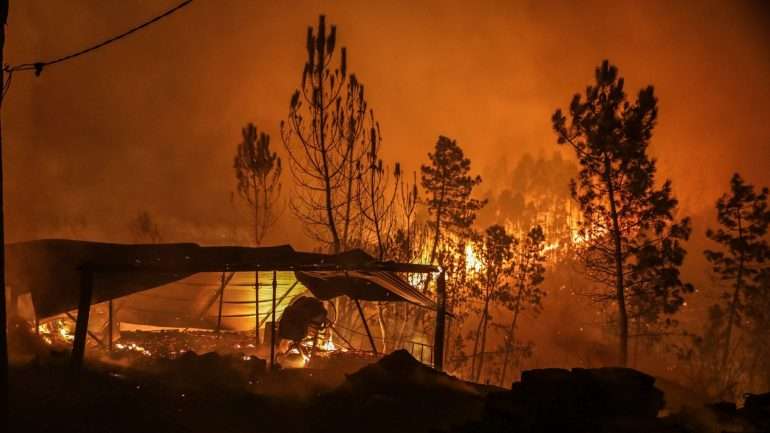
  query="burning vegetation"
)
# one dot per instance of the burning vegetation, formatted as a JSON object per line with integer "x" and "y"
{"x": 429, "y": 293}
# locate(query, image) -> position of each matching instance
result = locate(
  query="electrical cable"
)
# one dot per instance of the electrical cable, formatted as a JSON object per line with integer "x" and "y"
{"x": 38, "y": 66}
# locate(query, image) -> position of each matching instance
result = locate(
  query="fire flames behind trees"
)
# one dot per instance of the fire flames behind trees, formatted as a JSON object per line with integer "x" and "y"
{"x": 504, "y": 250}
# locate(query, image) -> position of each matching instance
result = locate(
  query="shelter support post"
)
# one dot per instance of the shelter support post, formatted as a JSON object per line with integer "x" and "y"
{"x": 221, "y": 301}
{"x": 110, "y": 324}
{"x": 257, "y": 340}
{"x": 366, "y": 326}
{"x": 272, "y": 323}
{"x": 438, "y": 337}
{"x": 81, "y": 325}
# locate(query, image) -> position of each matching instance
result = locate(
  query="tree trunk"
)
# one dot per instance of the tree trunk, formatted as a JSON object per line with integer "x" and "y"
{"x": 638, "y": 323}
{"x": 511, "y": 336}
{"x": 731, "y": 315}
{"x": 620, "y": 296}
{"x": 483, "y": 342}
{"x": 348, "y": 198}
{"x": 257, "y": 237}
{"x": 319, "y": 103}
{"x": 476, "y": 347}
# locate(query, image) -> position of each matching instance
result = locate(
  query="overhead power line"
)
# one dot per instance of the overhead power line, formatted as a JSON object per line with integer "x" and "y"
{"x": 38, "y": 66}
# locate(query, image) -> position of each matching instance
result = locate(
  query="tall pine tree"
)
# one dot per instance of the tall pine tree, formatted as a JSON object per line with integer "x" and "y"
{"x": 448, "y": 186}
{"x": 629, "y": 228}
{"x": 742, "y": 261}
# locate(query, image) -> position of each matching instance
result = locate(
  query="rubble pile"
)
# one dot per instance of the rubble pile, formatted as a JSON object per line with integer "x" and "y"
{"x": 397, "y": 393}
{"x": 580, "y": 400}
{"x": 753, "y": 417}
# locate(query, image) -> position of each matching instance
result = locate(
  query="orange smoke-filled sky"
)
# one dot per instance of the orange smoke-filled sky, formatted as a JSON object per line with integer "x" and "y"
{"x": 151, "y": 122}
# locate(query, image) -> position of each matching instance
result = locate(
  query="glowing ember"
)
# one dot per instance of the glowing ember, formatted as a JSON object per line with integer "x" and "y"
{"x": 57, "y": 331}
{"x": 133, "y": 347}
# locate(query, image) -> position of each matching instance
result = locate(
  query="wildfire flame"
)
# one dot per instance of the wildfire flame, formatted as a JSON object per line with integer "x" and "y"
{"x": 472, "y": 262}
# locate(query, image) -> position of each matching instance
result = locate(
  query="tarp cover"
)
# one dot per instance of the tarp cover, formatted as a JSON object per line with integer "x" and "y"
{"x": 51, "y": 270}
{"x": 367, "y": 286}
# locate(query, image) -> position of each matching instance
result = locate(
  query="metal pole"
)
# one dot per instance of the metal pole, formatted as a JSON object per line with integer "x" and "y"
{"x": 438, "y": 337}
{"x": 257, "y": 340}
{"x": 109, "y": 331}
{"x": 366, "y": 326}
{"x": 272, "y": 323}
{"x": 81, "y": 325}
{"x": 3, "y": 335}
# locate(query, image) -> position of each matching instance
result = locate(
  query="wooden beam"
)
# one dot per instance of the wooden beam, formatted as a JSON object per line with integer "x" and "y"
{"x": 81, "y": 325}
{"x": 438, "y": 336}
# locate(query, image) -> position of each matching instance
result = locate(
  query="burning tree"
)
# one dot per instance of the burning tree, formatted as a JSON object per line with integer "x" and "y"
{"x": 526, "y": 294}
{"x": 324, "y": 137}
{"x": 258, "y": 172}
{"x": 631, "y": 234}
{"x": 742, "y": 263}
{"x": 496, "y": 251}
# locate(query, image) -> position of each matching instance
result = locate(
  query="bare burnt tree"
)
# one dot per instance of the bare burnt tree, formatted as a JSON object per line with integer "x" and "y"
{"x": 377, "y": 193}
{"x": 405, "y": 236}
{"x": 631, "y": 235}
{"x": 258, "y": 173}
{"x": 376, "y": 197}
{"x": 321, "y": 135}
